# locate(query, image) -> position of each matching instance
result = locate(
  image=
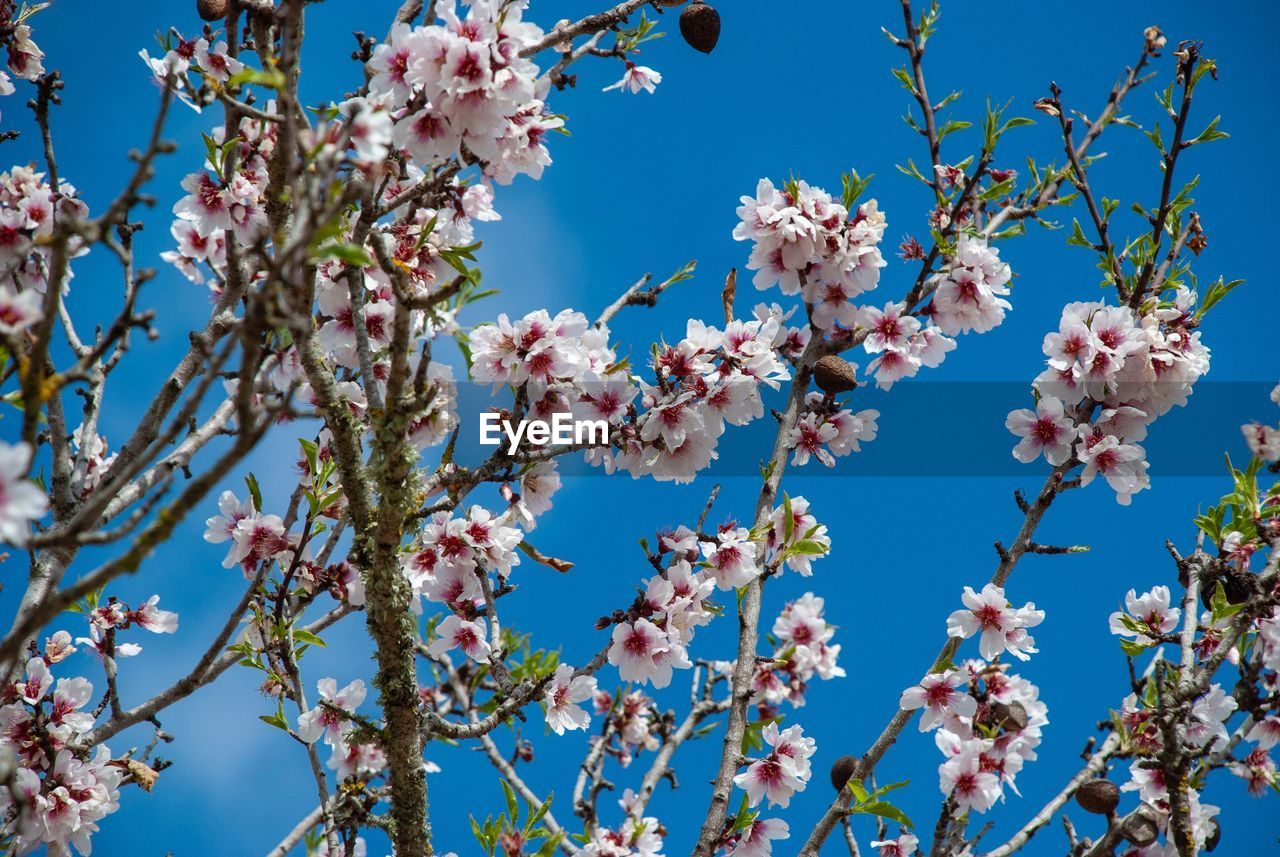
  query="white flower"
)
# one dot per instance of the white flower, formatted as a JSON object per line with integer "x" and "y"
{"x": 328, "y": 717}
{"x": 939, "y": 694}
{"x": 562, "y": 698}
{"x": 1264, "y": 441}
{"x": 731, "y": 558}
{"x": 757, "y": 841}
{"x": 21, "y": 501}
{"x": 153, "y": 619}
{"x": 1209, "y": 713}
{"x": 962, "y": 778}
{"x": 1150, "y": 611}
{"x": 903, "y": 846}
{"x": 783, "y": 772}
{"x": 1001, "y": 626}
{"x": 643, "y": 652}
{"x": 636, "y": 78}
{"x": 18, "y": 310}
{"x": 1124, "y": 466}
{"x": 458, "y": 633}
{"x": 1046, "y": 430}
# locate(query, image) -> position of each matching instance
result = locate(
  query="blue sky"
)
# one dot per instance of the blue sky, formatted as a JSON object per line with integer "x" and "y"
{"x": 644, "y": 184}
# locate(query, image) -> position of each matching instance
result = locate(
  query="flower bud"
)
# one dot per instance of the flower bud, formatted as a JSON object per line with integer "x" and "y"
{"x": 834, "y": 374}
{"x": 1101, "y": 797}
{"x": 1155, "y": 39}
{"x": 841, "y": 771}
{"x": 700, "y": 26}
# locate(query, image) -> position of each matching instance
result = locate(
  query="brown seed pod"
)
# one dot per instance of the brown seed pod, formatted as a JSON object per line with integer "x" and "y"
{"x": 841, "y": 770}
{"x": 1012, "y": 716}
{"x": 1139, "y": 829}
{"x": 1100, "y": 797}
{"x": 1212, "y": 840}
{"x": 212, "y": 10}
{"x": 834, "y": 374}
{"x": 700, "y": 26}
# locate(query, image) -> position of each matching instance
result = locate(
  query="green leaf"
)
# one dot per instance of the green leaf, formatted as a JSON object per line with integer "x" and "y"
{"x": 1132, "y": 649}
{"x": 273, "y": 79}
{"x": 352, "y": 254}
{"x": 1214, "y": 294}
{"x": 1077, "y": 237}
{"x": 883, "y": 809}
{"x": 1210, "y": 134}
{"x": 808, "y": 547}
{"x": 1016, "y": 122}
{"x": 254, "y": 491}
{"x": 513, "y": 805}
{"x": 305, "y": 636}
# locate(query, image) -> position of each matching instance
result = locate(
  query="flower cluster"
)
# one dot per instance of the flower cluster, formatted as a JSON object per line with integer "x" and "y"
{"x": 255, "y": 537}
{"x": 827, "y": 431}
{"x": 107, "y": 619}
{"x": 54, "y": 795}
{"x": 28, "y": 205}
{"x": 794, "y": 538}
{"x": 448, "y": 552}
{"x": 25, "y": 56}
{"x": 989, "y": 730}
{"x": 802, "y": 649}
{"x": 463, "y": 84}
{"x": 223, "y": 203}
{"x": 782, "y": 773}
{"x": 1131, "y": 367}
{"x": 633, "y": 721}
{"x": 986, "y": 733}
{"x": 636, "y": 837}
{"x": 333, "y": 719}
{"x": 970, "y": 295}
{"x": 183, "y": 59}
{"x": 647, "y": 647}
{"x": 707, "y": 380}
{"x": 900, "y": 343}
{"x": 806, "y": 242}
{"x": 1205, "y": 730}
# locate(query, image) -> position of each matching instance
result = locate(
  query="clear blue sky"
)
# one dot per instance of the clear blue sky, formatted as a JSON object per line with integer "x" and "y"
{"x": 645, "y": 183}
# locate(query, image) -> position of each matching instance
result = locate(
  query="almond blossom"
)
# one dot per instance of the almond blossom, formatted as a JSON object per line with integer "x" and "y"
{"x": 643, "y": 652}
{"x": 757, "y": 840}
{"x": 1002, "y": 627}
{"x": 562, "y": 697}
{"x": 330, "y": 718}
{"x": 637, "y": 78}
{"x": 903, "y": 846}
{"x": 938, "y": 694}
{"x": 785, "y": 771}
{"x": 1047, "y": 430}
{"x": 21, "y": 501}
{"x": 457, "y": 633}
{"x": 964, "y": 781}
{"x": 1148, "y": 616}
